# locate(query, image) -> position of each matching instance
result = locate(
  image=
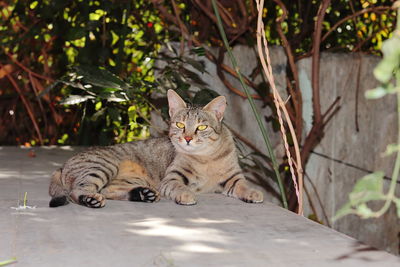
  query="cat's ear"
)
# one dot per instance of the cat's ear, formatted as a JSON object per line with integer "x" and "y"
{"x": 175, "y": 102}
{"x": 217, "y": 106}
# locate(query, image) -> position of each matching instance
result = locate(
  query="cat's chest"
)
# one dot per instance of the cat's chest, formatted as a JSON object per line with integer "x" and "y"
{"x": 206, "y": 177}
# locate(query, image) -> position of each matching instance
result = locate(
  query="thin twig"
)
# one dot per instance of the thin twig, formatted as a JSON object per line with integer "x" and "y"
{"x": 27, "y": 69}
{"x": 315, "y": 61}
{"x": 180, "y": 24}
{"x": 26, "y": 105}
{"x": 357, "y": 92}
{"x": 318, "y": 198}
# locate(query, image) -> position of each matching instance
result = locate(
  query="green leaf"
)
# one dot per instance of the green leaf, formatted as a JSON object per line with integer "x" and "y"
{"x": 391, "y": 60}
{"x": 384, "y": 71}
{"x": 198, "y": 65}
{"x": 76, "y": 99}
{"x": 343, "y": 211}
{"x": 376, "y": 93}
{"x": 193, "y": 76}
{"x": 99, "y": 77}
{"x": 200, "y": 51}
{"x": 370, "y": 187}
{"x": 98, "y": 114}
{"x": 391, "y": 148}
{"x": 391, "y": 47}
{"x": 204, "y": 96}
{"x": 363, "y": 211}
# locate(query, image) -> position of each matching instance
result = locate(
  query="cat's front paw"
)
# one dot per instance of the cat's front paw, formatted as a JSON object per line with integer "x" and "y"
{"x": 185, "y": 197}
{"x": 92, "y": 200}
{"x": 253, "y": 196}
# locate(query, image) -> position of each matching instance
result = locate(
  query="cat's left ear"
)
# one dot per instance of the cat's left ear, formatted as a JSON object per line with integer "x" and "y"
{"x": 217, "y": 106}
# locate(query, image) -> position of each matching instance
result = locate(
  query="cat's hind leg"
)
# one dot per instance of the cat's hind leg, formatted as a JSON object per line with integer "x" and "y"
{"x": 132, "y": 183}
{"x": 86, "y": 192}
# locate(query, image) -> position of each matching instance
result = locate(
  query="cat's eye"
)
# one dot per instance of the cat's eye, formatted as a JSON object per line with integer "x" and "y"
{"x": 180, "y": 125}
{"x": 202, "y": 127}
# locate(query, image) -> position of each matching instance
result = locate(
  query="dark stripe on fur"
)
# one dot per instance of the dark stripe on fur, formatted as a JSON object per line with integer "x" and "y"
{"x": 96, "y": 176}
{"x": 85, "y": 165}
{"x": 101, "y": 157}
{"x": 230, "y": 190}
{"x": 187, "y": 170}
{"x": 184, "y": 178}
{"x": 106, "y": 175}
{"x": 227, "y": 180}
{"x": 223, "y": 154}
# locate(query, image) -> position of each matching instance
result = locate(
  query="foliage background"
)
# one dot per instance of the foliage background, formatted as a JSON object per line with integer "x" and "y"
{"x": 41, "y": 40}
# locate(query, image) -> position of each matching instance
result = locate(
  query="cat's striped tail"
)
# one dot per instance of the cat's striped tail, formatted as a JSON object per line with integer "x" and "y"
{"x": 56, "y": 191}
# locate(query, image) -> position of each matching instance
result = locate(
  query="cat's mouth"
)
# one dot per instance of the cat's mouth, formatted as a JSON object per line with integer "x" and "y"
{"x": 190, "y": 147}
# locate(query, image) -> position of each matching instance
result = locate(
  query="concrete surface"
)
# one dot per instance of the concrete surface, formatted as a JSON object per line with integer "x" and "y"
{"x": 219, "y": 231}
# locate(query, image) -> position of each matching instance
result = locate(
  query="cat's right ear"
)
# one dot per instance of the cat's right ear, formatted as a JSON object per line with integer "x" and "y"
{"x": 175, "y": 102}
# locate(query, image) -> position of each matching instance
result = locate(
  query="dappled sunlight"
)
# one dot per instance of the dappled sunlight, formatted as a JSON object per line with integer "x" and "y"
{"x": 196, "y": 247}
{"x": 290, "y": 241}
{"x": 161, "y": 227}
{"x": 187, "y": 236}
{"x": 4, "y": 174}
{"x": 208, "y": 221}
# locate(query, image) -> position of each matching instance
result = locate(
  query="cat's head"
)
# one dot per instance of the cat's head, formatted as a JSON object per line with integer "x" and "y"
{"x": 194, "y": 130}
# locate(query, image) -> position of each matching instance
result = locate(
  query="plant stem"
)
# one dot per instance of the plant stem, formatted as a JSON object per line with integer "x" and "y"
{"x": 252, "y": 104}
{"x": 4, "y": 263}
{"x": 25, "y": 195}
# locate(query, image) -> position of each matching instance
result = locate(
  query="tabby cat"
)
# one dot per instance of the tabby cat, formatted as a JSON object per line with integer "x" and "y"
{"x": 199, "y": 156}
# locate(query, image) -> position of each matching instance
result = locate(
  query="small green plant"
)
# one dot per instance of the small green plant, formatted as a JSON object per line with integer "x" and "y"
{"x": 370, "y": 187}
{"x": 7, "y": 262}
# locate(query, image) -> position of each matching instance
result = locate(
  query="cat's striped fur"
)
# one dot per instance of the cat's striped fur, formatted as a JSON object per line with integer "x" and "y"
{"x": 198, "y": 157}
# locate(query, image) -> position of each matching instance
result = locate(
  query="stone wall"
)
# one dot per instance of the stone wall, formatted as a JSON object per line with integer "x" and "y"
{"x": 342, "y": 141}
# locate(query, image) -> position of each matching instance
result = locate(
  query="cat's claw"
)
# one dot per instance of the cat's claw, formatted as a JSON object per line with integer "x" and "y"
{"x": 144, "y": 194}
{"x": 253, "y": 196}
{"x": 92, "y": 200}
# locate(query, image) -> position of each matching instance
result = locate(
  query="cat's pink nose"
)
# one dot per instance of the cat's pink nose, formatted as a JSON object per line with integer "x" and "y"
{"x": 188, "y": 138}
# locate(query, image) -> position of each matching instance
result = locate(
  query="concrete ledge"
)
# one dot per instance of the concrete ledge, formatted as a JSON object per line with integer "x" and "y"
{"x": 218, "y": 231}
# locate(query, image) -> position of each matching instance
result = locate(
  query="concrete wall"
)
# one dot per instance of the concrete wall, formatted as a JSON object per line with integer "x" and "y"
{"x": 362, "y": 147}
{"x": 342, "y": 141}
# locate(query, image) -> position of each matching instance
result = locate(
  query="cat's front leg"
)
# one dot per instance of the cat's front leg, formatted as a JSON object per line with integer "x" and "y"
{"x": 236, "y": 186}
{"x": 174, "y": 186}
